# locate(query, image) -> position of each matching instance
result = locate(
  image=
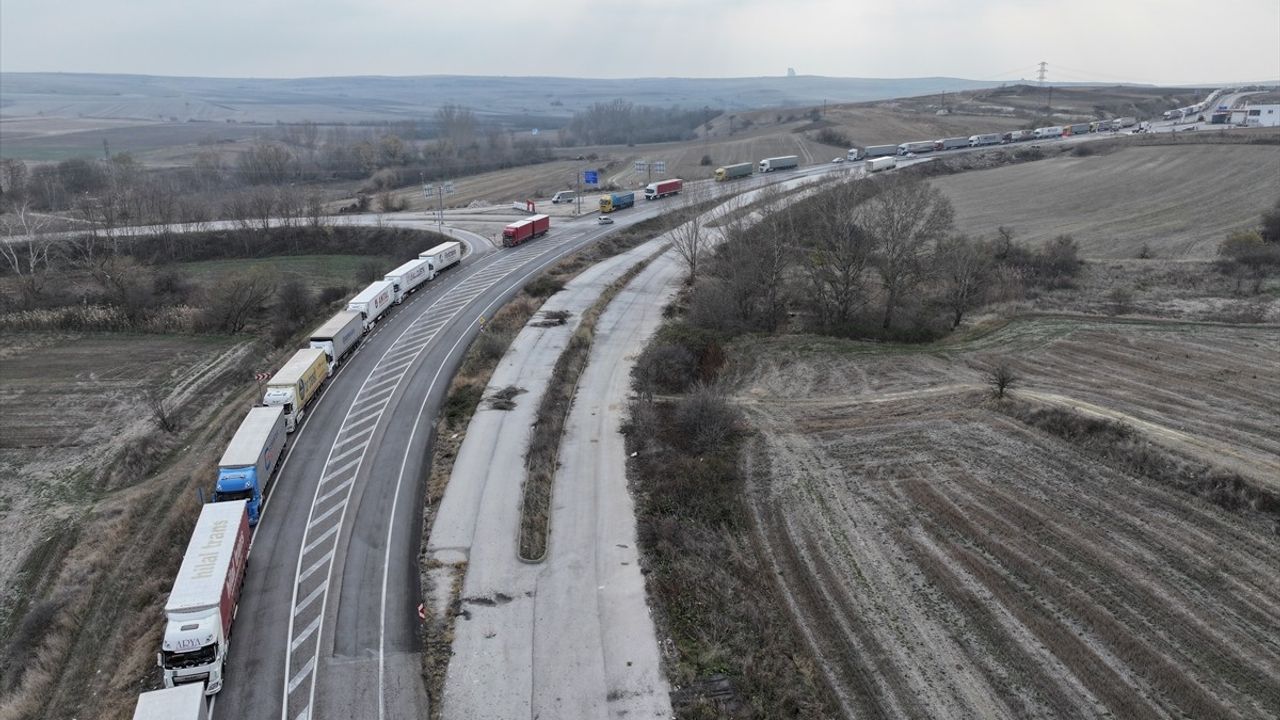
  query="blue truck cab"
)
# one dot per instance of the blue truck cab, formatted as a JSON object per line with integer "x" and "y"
{"x": 251, "y": 458}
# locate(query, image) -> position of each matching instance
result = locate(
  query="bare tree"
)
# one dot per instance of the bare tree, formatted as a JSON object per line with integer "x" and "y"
{"x": 261, "y": 205}
{"x": 744, "y": 280}
{"x": 457, "y": 126}
{"x": 267, "y": 163}
{"x": 235, "y": 301}
{"x": 903, "y": 220}
{"x": 964, "y": 268}
{"x": 1001, "y": 378}
{"x": 690, "y": 243}
{"x": 26, "y": 247}
{"x": 314, "y": 209}
{"x": 838, "y": 255}
{"x": 13, "y": 179}
{"x": 289, "y": 205}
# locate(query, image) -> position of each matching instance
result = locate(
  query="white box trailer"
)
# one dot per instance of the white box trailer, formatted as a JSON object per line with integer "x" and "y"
{"x": 881, "y": 163}
{"x": 785, "y": 162}
{"x": 443, "y": 256}
{"x": 920, "y": 146}
{"x": 1048, "y": 132}
{"x": 951, "y": 143}
{"x": 202, "y": 604}
{"x": 338, "y": 336}
{"x": 985, "y": 139}
{"x": 408, "y": 277}
{"x": 295, "y": 385}
{"x": 373, "y": 302}
{"x": 185, "y": 702}
{"x": 880, "y": 150}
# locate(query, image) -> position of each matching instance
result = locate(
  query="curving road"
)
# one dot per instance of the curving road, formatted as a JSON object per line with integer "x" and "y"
{"x": 327, "y": 625}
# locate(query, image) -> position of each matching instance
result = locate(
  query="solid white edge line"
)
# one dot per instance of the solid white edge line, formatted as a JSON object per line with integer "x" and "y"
{"x": 395, "y": 498}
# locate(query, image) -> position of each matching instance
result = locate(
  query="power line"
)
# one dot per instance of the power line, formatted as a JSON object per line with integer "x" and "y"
{"x": 1095, "y": 76}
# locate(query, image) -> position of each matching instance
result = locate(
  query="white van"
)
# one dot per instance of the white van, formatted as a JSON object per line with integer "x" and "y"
{"x": 564, "y": 196}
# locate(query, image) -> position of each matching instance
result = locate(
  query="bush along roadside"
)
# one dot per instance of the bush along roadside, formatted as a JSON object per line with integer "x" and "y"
{"x": 732, "y": 649}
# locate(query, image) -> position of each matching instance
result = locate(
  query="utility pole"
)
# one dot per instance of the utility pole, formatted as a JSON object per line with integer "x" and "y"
{"x": 577, "y": 178}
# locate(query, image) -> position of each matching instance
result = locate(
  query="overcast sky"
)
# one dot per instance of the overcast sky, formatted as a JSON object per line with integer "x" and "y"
{"x": 1155, "y": 41}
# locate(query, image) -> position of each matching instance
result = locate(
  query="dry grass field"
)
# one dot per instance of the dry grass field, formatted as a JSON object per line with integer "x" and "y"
{"x": 72, "y": 406}
{"x": 945, "y": 559}
{"x": 93, "y": 497}
{"x": 1114, "y": 203}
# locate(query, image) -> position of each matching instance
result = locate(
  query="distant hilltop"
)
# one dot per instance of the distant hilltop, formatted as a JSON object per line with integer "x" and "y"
{"x": 382, "y": 98}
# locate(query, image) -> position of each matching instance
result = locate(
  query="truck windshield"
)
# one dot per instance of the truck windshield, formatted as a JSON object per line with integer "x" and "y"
{"x": 195, "y": 658}
{"x": 246, "y": 494}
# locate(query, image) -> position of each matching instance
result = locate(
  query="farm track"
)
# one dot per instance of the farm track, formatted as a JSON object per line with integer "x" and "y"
{"x": 946, "y": 560}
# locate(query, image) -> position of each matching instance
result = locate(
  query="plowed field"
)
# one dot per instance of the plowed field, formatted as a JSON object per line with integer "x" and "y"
{"x": 946, "y": 560}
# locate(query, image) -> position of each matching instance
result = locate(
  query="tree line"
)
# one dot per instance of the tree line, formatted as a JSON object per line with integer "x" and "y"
{"x": 619, "y": 122}
{"x": 299, "y": 159}
{"x": 875, "y": 260}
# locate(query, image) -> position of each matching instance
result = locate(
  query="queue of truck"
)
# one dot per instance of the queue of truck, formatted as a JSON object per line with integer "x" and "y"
{"x": 982, "y": 139}
{"x": 201, "y": 607}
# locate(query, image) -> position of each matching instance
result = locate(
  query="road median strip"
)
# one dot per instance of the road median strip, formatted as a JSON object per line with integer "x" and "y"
{"x": 542, "y": 458}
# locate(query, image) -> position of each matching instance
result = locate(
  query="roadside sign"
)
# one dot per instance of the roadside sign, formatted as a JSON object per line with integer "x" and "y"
{"x": 660, "y": 166}
{"x": 641, "y": 166}
{"x": 591, "y": 177}
{"x": 262, "y": 376}
{"x": 427, "y": 190}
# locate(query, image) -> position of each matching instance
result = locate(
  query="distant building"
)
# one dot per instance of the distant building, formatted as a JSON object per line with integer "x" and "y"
{"x": 1257, "y": 115}
{"x": 791, "y": 72}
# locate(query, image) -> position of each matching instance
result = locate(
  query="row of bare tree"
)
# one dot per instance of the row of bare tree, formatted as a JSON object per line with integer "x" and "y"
{"x": 860, "y": 250}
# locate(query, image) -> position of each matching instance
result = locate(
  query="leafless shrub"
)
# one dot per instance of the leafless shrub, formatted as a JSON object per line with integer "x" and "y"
{"x": 389, "y": 202}
{"x": 487, "y": 349}
{"x": 1243, "y": 312}
{"x": 663, "y": 368}
{"x": 1119, "y": 301}
{"x": 163, "y": 413}
{"x": 543, "y": 286}
{"x": 705, "y": 418}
